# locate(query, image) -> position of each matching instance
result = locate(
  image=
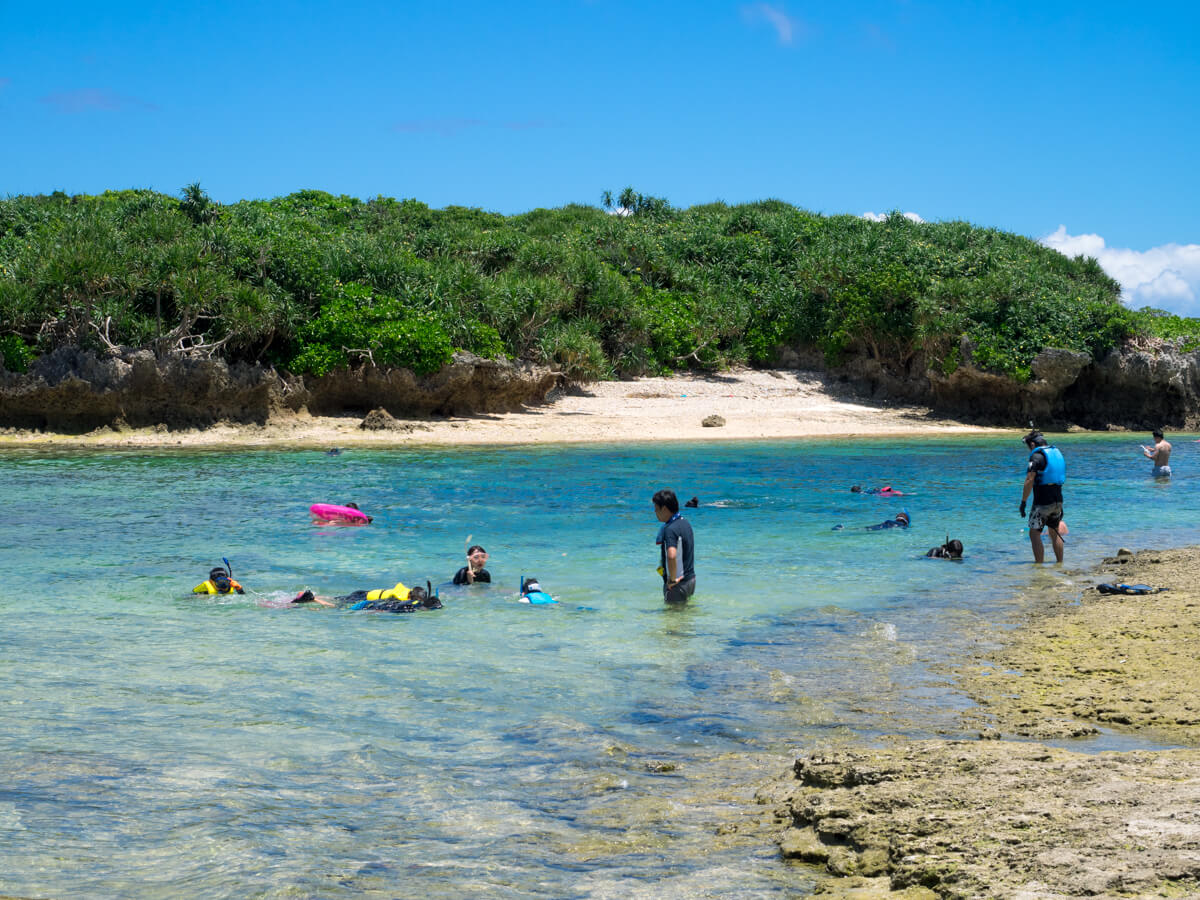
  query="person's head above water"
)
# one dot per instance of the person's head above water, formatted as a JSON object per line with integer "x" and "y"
{"x": 856, "y": 488}
{"x": 953, "y": 549}
{"x": 220, "y": 579}
{"x": 666, "y": 499}
{"x": 902, "y": 516}
{"x": 1034, "y": 439}
{"x": 477, "y": 555}
{"x": 531, "y": 584}
{"x": 1158, "y": 435}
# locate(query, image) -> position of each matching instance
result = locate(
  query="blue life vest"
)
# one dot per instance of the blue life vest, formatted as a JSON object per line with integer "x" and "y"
{"x": 1056, "y": 467}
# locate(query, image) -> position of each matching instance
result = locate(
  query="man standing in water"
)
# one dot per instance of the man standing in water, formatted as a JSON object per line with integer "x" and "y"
{"x": 1161, "y": 454}
{"x": 1044, "y": 476}
{"x": 676, "y": 549}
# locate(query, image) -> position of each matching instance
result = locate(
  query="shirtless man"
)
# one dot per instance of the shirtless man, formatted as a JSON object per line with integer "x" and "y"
{"x": 1161, "y": 454}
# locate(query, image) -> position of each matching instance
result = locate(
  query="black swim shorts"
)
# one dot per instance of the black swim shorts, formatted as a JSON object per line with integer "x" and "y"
{"x": 679, "y": 593}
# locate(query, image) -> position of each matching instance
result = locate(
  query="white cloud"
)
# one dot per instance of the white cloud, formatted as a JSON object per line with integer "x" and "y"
{"x": 1166, "y": 277}
{"x": 785, "y": 26}
{"x": 883, "y": 217}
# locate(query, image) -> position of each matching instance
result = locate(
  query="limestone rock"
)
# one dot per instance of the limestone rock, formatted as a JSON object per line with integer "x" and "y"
{"x": 713, "y": 421}
{"x": 74, "y": 390}
{"x": 380, "y": 420}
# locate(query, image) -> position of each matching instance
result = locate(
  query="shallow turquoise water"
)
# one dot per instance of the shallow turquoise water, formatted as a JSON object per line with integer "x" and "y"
{"x": 156, "y": 744}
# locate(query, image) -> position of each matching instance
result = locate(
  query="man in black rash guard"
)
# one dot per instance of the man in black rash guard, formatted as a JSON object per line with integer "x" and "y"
{"x": 676, "y": 549}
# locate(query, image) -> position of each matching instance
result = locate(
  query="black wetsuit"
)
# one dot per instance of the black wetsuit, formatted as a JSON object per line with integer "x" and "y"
{"x": 483, "y": 576}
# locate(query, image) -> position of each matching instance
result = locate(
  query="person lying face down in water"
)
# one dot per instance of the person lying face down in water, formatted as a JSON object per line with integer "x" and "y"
{"x": 398, "y": 599}
{"x": 886, "y": 491}
{"x": 901, "y": 521}
{"x": 949, "y": 550}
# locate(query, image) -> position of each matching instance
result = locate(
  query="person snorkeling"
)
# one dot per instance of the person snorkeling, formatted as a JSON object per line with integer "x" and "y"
{"x": 531, "y": 591}
{"x": 220, "y": 581}
{"x": 474, "y": 570}
{"x": 902, "y": 520}
{"x": 949, "y": 550}
{"x": 886, "y": 491}
{"x": 397, "y": 599}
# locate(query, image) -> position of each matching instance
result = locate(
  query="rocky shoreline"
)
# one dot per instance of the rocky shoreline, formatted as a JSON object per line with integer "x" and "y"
{"x": 73, "y": 391}
{"x": 1006, "y": 816}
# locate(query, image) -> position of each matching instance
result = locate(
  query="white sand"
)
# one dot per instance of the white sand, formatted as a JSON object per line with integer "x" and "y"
{"x": 753, "y": 403}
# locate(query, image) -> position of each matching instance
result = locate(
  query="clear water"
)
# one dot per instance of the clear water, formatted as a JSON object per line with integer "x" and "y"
{"x": 159, "y": 744}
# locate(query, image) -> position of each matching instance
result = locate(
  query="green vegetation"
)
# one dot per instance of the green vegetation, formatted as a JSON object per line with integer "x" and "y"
{"x": 312, "y": 282}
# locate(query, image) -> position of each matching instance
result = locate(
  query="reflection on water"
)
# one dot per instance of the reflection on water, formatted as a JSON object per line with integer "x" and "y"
{"x": 159, "y": 744}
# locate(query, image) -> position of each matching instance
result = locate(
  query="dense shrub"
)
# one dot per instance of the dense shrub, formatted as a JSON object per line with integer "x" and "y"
{"x": 316, "y": 281}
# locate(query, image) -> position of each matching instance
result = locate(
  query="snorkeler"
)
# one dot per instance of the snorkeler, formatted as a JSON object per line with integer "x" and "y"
{"x": 531, "y": 591}
{"x": 398, "y": 599}
{"x": 886, "y": 491}
{"x": 901, "y": 521}
{"x": 220, "y": 581}
{"x": 949, "y": 550}
{"x": 474, "y": 570}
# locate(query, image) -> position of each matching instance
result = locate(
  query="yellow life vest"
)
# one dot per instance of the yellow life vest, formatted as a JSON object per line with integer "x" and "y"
{"x": 399, "y": 592}
{"x": 210, "y": 587}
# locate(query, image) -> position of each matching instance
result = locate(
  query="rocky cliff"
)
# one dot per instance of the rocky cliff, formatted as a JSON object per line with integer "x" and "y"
{"x": 73, "y": 390}
{"x": 1139, "y": 386}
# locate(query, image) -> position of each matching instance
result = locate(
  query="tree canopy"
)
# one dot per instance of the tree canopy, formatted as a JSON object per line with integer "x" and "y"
{"x": 312, "y": 282}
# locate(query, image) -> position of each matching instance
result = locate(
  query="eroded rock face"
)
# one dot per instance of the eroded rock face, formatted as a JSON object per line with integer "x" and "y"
{"x": 1136, "y": 387}
{"x": 469, "y": 384}
{"x": 73, "y": 390}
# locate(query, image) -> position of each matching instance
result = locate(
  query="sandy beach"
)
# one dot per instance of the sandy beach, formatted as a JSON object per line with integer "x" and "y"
{"x": 754, "y": 404}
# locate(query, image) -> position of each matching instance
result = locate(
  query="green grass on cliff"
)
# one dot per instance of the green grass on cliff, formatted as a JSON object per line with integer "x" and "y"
{"x": 313, "y": 282}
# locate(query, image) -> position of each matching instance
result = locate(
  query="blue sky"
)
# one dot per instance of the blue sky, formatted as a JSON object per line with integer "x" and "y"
{"x": 1069, "y": 122}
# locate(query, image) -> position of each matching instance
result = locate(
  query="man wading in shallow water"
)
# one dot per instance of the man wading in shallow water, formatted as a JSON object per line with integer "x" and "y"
{"x": 1044, "y": 476}
{"x": 676, "y": 549}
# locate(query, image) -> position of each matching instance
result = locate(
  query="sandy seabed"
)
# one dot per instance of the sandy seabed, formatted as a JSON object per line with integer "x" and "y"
{"x": 754, "y": 404}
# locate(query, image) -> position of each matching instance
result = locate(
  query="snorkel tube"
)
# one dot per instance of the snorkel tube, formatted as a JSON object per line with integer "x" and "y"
{"x": 228, "y": 568}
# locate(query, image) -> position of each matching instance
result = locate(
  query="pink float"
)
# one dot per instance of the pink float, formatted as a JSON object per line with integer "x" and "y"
{"x": 329, "y": 514}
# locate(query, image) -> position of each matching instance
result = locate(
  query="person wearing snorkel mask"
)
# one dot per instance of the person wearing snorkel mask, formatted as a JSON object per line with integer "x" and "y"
{"x": 219, "y": 582}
